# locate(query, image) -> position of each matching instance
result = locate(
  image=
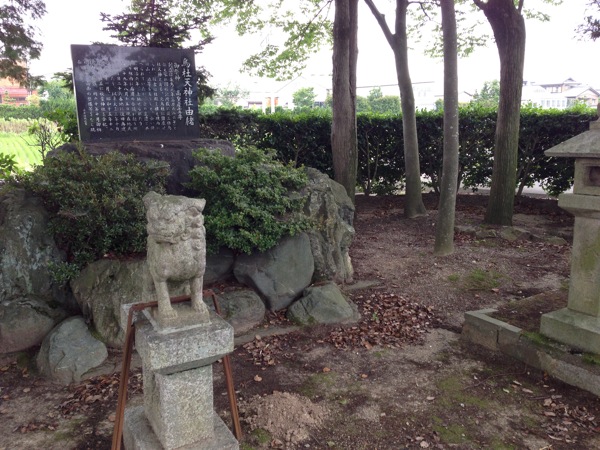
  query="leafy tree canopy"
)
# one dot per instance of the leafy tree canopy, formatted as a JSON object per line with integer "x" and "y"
{"x": 304, "y": 98}
{"x": 158, "y": 23}
{"x": 469, "y": 23}
{"x": 591, "y": 27}
{"x": 291, "y": 30}
{"x": 162, "y": 24}
{"x": 18, "y": 42}
{"x": 489, "y": 96}
{"x": 228, "y": 96}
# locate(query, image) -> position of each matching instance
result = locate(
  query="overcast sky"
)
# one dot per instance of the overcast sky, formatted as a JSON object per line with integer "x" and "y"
{"x": 553, "y": 52}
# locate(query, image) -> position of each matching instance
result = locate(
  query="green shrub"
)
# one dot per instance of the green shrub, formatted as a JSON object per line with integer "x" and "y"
{"x": 20, "y": 112}
{"x": 8, "y": 166}
{"x": 249, "y": 205}
{"x": 95, "y": 203}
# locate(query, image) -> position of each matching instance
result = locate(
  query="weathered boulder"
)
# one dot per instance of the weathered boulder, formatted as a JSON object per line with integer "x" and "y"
{"x": 219, "y": 266}
{"x": 280, "y": 274}
{"x": 323, "y": 304}
{"x": 25, "y": 322}
{"x": 242, "y": 308}
{"x": 328, "y": 205}
{"x": 26, "y": 249}
{"x": 101, "y": 288}
{"x": 70, "y": 351}
{"x": 178, "y": 154}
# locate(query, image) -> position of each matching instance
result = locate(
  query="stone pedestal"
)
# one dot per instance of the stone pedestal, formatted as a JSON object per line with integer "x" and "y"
{"x": 178, "y": 389}
{"x": 578, "y": 325}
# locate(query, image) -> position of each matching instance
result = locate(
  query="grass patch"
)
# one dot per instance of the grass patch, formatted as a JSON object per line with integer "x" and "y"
{"x": 317, "y": 383}
{"x": 261, "y": 436}
{"x": 454, "y": 278}
{"x": 450, "y": 433}
{"x": 27, "y": 155}
{"x": 481, "y": 280}
{"x": 590, "y": 358}
{"x": 453, "y": 394}
{"x": 538, "y": 338}
{"x": 497, "y": 444}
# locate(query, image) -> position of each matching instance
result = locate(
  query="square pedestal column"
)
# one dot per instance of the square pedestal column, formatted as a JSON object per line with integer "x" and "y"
{"x": 178, "y": 389}
{"x": 578, "y": 325}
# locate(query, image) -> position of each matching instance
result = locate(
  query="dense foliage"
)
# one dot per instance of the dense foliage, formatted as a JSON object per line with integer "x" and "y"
{"x": 20, "y": 112}
{"x": 250, "y": 199}
{"x": 8, "y": 166}
{"x": 305, "y": 139}
{"x": 18, "y": 37}
{"x": 95, "y": 203}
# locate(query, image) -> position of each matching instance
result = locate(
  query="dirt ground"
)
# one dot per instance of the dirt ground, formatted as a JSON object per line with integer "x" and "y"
{"x": 399, "y": 378}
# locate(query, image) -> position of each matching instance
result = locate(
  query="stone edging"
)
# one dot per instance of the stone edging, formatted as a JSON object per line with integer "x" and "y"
{"x": 551, "y": 357}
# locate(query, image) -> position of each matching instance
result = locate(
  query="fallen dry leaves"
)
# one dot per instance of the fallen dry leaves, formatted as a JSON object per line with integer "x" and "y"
{"x": 388, "y": 320}
{"x": 102, "y": 389}
{"x": 564, "y": 421}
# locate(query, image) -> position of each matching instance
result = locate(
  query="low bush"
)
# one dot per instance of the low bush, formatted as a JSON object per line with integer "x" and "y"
{"x": 249, "y": 201}
{"x": 95, "y": 203}
{"x": 8, "y": 166}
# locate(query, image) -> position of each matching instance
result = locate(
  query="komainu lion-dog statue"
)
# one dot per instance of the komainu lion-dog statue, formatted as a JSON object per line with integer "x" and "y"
{"x": 176, "y": 249}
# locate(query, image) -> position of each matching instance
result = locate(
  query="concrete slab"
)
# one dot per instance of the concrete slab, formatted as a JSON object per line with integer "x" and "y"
{"x": 580, "y": 331}
{"x": 138, "y": 434}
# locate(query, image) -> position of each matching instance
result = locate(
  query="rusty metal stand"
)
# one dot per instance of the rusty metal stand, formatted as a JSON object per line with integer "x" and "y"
{"x": 127, "y": 352}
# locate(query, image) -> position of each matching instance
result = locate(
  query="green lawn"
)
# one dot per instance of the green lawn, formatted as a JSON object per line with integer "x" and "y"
{"x": 27, "y": 155}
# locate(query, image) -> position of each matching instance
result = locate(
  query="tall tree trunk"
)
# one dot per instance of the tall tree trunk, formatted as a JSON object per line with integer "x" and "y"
{"x": 344, "y": 142}
{"x": 413, "y": 203}
{"x": 508, "y": 26}
{"x": 444, "y": 230}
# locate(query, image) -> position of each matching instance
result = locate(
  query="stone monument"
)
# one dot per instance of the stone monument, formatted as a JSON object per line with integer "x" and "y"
{"x": 135, "y": 93}
{"x": 177, "y": 345}
{"x": 578, "y": 325}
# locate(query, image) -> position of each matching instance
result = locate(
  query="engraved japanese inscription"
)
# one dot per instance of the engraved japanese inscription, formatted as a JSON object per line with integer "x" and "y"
{"x": 135, "y": 93}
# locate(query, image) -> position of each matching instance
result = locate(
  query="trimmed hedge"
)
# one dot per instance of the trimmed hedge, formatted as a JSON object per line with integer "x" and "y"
{"x": 20, "y": 112}
{"x": 304, "y": 139}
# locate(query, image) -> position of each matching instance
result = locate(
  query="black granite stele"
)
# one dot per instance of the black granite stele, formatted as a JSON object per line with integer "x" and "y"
{"x": 135, "y": 93}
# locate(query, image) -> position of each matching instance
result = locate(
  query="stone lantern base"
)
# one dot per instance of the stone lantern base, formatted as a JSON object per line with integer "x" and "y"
{"x": 578, "y": 325}
{"x": 573, "y": 328}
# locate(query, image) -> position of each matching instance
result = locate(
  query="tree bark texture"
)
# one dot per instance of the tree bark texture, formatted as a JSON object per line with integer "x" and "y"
{"x": 413, "y": 201}
{"x": 344, "y": 142}
{"x": 508, "y": 26}
{"x": 444, "y": 230}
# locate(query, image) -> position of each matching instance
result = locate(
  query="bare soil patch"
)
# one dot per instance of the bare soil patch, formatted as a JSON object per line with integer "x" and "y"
{"x": 400, "y": 378}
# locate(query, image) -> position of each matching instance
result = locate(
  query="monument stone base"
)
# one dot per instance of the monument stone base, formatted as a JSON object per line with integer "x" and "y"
{"x": 573, "y": 328}
{"x": 178, "y": 386}
{"x": 139, "y": 435}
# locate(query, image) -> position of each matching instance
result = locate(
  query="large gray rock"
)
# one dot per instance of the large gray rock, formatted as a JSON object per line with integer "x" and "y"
{"x": 24, "y": 323}
{"x": 178, "y": 154}
{"x": 323, "y": 304}
{"x": 102, "y": 287}
{"x": 328, "y": 205}
{"x": 219, "y": 267}
{"x": 70, "y": 351}
{"x": 281, "y": 273}
{"x": 242, "y": 308}
{"x": 26, "y": 249}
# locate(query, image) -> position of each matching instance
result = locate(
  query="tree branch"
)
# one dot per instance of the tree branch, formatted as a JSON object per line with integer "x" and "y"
{"x": 481, "y": 5}
{"x": 381, "y": 21}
